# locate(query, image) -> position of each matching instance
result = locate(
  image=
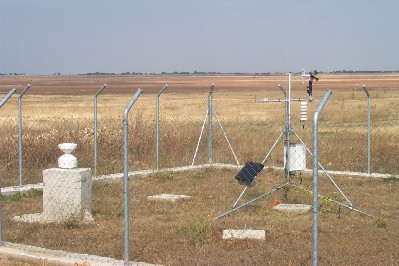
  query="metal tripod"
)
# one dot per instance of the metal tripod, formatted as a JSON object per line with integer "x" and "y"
{"x": 208, "y": 117}
{"x": 286, "y": 133}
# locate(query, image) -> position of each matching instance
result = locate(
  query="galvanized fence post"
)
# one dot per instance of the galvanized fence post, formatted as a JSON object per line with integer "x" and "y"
{"x": 125, "y": 175}
{"x": 5, "y": 99}
{"x": 157, "y": 126}
{"x": 9, "y": 94}
{"x": 315, "y": 176}
{"x": 20, "y": 131}
{"x": 95, "y": 128}
{"x": 210, "y": 113}
{"x": 368, "y": 129}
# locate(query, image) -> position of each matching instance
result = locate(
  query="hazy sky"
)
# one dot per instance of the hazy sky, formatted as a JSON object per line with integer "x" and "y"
{"x": 80, "y": 36}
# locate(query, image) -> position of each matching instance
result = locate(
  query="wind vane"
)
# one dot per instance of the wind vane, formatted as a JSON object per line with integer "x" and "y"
{"x": 311, "y": 76}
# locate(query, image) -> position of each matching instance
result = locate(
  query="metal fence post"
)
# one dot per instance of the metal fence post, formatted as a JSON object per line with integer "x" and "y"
{"x": 20, "y": 131}
{"x": 315, "y": 176}
{"x": 5, "y": 99}
{"x": 9, "y": 94}
{"x": 95, "y": 128}
{"x": 126, "y": 173}
{"x": 368, "y": 129}
{"x": 288, "y": 131}
{"x": 210, "y": 113}
{"x": 157, "y": 126}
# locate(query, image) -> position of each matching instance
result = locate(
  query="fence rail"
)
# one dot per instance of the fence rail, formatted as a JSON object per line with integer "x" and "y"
{"x": 180, "y": 125}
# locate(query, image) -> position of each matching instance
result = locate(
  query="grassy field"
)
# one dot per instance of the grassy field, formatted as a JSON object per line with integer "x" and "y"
{"x": 183, "y": 233}
{"x": 60, "y": 109}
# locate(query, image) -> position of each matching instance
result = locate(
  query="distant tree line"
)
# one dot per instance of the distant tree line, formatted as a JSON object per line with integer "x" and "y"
{"x": 12, "y": 74}
{"x": 205, "y": 73}
{"x": 199, "y": 73}
{"x": 177, "y": 73}
{"x": 99, "y": 74}
{"x": 210, "y": 73}
{"x": 362, "y": 71}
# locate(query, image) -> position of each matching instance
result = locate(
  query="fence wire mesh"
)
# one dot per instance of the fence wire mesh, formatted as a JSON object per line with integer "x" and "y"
{"x": 51, "y": 216}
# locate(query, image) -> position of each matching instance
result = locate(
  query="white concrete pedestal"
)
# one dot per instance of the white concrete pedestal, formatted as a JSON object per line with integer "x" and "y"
{"x": 66, "y": 196}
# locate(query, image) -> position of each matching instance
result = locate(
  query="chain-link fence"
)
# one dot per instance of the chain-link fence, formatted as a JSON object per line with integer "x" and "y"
{"x": 82, "y": 209}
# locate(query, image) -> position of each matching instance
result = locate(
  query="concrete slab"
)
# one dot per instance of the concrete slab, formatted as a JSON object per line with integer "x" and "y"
{"x": 59, "y": 257}
{"x": 293, "y": 208}
{"x": 168, "y": 197}
{"x": 6, "y": 191}
{"x": 29, "y": 218}
{"x": 42, "y": 218}
{"x": 244, "y": 234}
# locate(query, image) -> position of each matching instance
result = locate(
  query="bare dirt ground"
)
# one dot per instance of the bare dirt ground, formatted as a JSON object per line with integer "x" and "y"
{"x": 152, "y": 84}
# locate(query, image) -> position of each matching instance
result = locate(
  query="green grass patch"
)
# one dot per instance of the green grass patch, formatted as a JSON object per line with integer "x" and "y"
{"x": 19, "y": 196}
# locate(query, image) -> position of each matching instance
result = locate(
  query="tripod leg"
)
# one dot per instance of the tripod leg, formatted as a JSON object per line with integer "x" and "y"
{"x": 199, "y": 140}
{"x": 226, "y": 138}
{"x": 251, "y": 201}
{"x": 327, "y": 174}
{"x": 274, "y": 145}
{"x": 236, "y": 202}
{"x": 350, "y": 207}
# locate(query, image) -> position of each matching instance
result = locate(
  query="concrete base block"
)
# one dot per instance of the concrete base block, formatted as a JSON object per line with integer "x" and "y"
{"x": 66, "y": 197}
{"x": 168, "y": 197}
{"x": 244, "y": 234}
{"x": 293, "y": 208}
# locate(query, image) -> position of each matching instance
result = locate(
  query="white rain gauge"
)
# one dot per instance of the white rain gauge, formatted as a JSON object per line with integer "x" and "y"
{"x": 67, "y": 161}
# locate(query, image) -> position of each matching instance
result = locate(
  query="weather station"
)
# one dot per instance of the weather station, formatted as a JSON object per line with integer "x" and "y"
{"x": 294, "y": 152}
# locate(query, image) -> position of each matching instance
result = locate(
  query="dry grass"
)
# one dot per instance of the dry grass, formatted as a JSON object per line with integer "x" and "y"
{"x": 184, "y": 233}
{"x": 52, "y": 115}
